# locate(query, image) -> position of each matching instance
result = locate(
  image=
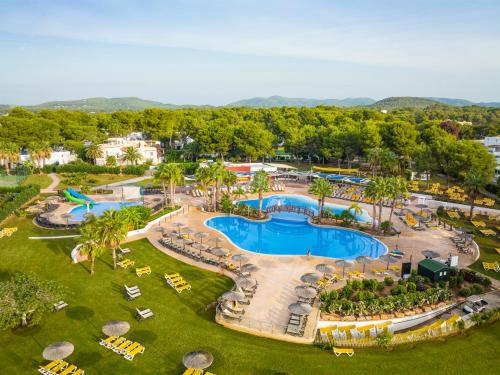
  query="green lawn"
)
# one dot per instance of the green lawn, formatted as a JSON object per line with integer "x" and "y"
{"x": 41, "y": 180}
{"x": 95, "y": 180}
{"x": 181, "y": 323}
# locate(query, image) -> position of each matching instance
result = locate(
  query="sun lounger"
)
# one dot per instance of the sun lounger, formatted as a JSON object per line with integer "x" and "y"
{"x": 130, "y": 348}
{"x": 171, "y": 276}
{"x": 130, "y": 355}
{"x": 143, "y": 271}
{"x": 124, "y": 251}
{"x": 59, "y": 367}
{"x": 60, "y": 305}
{"x": 116, "y": 343}
{"x": 68, "y": 370}
{"x": 123, "y": 346}
{"x": 132, "y": 289}
{"x": 340, "y": 351}
{"x": 183, "y": 288}
{"x": 491, "y": 266}
{"x": 125, "y": 263}
{"x": 189, "y": 371}
{"x": 79, "y": 372}
{"x": 108, "y": 341}
{"x": 144, "y": 314}
{"x": 46, "y": 369}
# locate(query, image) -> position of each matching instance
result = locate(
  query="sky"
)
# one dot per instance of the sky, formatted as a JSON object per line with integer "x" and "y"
{"x": 219, "y": 51}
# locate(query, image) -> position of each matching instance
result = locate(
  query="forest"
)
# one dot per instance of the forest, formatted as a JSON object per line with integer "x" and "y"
{"x": 437, "y": 138}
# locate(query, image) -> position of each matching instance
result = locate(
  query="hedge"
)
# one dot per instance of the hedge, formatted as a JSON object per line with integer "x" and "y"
{"x": 22, "y": 195}
{"x": 82, "y": 167}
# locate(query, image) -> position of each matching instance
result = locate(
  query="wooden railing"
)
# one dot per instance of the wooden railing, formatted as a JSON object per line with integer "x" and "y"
{"x": 291, "y": 208}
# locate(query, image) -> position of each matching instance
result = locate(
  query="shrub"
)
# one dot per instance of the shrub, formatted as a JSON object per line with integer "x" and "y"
{"x": 388, "y": 281}
{"x": 347, "y": 291}
{"x": 453, "y": 282}
{"x": 365, "y": 295}
{"x": 412, "y": 287}
{"x": 379, "y": 287}
{"x": 442, "y": 284}
{"x": 85, "y": 189}
{"x": 464, "y": 292}
{"x": 440, "y": 211}
{"x": 16, "y": 198}
{"x": 400, "y": 289}
{"x": 357, "y": 285}
{"x": 476, "y": 289}
{"x": 370, "y": 284}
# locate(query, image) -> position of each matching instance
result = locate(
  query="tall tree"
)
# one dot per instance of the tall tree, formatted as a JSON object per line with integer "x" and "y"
{"x": 90, "y": 244}
{"x": 322, "y": 188}
{"x": 260, "y": 185}
{"x": 397, "y": 187}
{"x": 170, "y": 174}
{"x": 474, "y": 181}
{"x": 131, "y": 155}
{"x": 112, "y": 230}
{"x": 93, "y": 152}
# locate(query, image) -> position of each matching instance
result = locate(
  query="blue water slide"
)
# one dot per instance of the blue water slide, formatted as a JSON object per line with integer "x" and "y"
{"x": 79, "y": 195}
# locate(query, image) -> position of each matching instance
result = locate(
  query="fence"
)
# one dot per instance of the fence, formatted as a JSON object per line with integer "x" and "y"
{"x": 291, "y": 208}
{"x": 429, "y": 332}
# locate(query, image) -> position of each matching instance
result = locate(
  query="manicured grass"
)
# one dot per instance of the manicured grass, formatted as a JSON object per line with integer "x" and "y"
{"x": 182, "y": 323}
{"x": 41, "y": 180}
{"x": 96, "y": 180}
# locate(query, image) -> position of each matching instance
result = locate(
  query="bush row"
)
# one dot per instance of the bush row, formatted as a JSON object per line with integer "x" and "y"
{"x": 82, "y": 167}
{"x": 21, "y": 195}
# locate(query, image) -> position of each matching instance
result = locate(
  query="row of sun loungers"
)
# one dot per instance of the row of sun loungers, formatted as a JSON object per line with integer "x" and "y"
{"x": 120, "y": 345}
{"x": 462, "y": 243}
{"x": 60, "y": 367}
{"x": 177, "y": 282}
{"x": 7, "y": 232}
{"x": 296, "y": 325}
{"x": 278, "y": 187}
{"x": 491, "y": 266}
{"x": 196, "y": 371}
{"x": 232, "y": 310}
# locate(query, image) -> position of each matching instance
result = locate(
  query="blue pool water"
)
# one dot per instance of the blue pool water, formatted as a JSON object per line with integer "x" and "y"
{"x": 281, "y": 236}
{"x": 301, "y": 201}
{"x": 98, "y": 209}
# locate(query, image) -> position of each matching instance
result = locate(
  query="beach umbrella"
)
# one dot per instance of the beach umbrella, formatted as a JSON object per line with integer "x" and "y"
{"x": 233, "y": 296}
{"x": 162, "y": 230}
{"x": 67, "y": 216}
{"x": 219, "y": 251}
{"x": 344, "y": 263}
{"x": 388, "y": 259}
{"x": 249, "y": 267}
{"x": 201, "y": 235}
{"x": 305, "y": 291}
{"x": 325, "y": 268}
{"x": 185, "y": 241}
{"x": 198, "y": 360}
{"x": 216, "y": 240}
{"x": 300, "y": 308}
{"x": 310, "y": 278}
{"x": 240, "y": 258}
{"x": 115, "y": 328}
{"x": 364, "y": 260}
{"x": 430, "y": 254}
{"x": 421, "y": 205}
{"x": 179, "y": 225}
{"x": 186, "y": 230}
{"x": 58, "y": 350}
{"x": 245, "y": 282}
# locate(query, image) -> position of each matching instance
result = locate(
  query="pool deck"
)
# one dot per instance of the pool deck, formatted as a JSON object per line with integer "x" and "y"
{"x": 279, "y": 275}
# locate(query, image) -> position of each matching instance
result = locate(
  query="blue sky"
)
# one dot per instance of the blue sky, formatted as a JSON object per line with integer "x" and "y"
{"x": 217, "y": 51}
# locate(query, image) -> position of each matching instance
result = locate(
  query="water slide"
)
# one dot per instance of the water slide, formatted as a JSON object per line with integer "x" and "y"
{"x": 80, "y": 195}
{"x": 75, "y": 197}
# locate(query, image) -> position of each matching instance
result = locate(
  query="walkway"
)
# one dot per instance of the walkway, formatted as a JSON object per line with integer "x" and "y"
{"x": 52, "y": 187}
{"x": 123, "y": 182}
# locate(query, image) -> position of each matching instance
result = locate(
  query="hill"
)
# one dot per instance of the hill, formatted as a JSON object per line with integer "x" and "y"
{"x": 282, "y": 101}
{"x": 104, "y": 104}
{"x": 394, "y": 102}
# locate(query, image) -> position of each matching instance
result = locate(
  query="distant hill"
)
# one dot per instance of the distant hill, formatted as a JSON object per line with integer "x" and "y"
{"x": 394, "y": 102}
{"x": 465, "y": 103}
{"x": 282, "y": 101}
{"x": 104, "y": 104}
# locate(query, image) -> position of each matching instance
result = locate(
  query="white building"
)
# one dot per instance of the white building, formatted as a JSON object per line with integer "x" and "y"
{"x": 148, "y": 149}
{"x": 493, "y": 145}
{"x": 58, "y": 156}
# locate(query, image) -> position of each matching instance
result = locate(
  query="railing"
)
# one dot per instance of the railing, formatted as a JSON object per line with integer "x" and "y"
{"x": 291, "y": 208}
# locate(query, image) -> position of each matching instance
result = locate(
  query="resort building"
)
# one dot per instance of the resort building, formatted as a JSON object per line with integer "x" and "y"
{"x": 57, "y": 156}
{"x": 493, "y": 145}
{"x": 148, "y": 149}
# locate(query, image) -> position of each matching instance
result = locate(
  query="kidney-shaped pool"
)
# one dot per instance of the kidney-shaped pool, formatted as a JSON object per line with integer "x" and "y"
{"x": 296, "y": 237}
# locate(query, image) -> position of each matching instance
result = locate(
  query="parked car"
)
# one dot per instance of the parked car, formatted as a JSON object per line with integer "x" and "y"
{"x": 475, "y": 306}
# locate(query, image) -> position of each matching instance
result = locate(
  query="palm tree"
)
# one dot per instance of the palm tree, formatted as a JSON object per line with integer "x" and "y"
{"x": 204, "y": 180}
{"x": 374, "y": 157}
{"x": 132, "y": 155}
{"x": 374, "y": 190}
{"x": 170, "y": 173}
{"x": 382, "y": 189}
{"x": 90, "y": 244}
{"x": 34, "y": 153}
{"x": 260, "y": 184}
{"x": 9, "y": 155}
{"x": 322, "y": 188}
{"x": 474, "y": 181}
{"x": 239, "y": 192}
{"x": 111, "y": 229}
{"x": 45, "y": 153}
{"x": 217, "y": 171}
{"x": 396, "y": 187}
{"x": 93, "y": 152}
{"x": 355, "y": 210}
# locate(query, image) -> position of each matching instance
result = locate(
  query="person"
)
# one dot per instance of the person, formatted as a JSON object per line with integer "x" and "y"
{"x": 308, "y": 252}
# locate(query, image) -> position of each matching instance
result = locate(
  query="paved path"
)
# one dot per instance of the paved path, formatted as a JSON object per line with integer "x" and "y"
{"x": 52, "y": 187}
{"x": 121, "y": 183}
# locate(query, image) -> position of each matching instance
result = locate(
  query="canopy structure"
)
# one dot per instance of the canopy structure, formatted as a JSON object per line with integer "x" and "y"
{"x": 115, "y": 328}
{"x": 344, "y": 264}
{"x": 310, "y": 278}
{"x": 305, "y": 291}
{"x": 300, "y": 308}
{"x": 198, "y": 360}
{"x": 58, "y": 350}
{"x": 364, "y": 260}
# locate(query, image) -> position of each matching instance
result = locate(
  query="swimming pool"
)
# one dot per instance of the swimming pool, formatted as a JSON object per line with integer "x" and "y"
{"x": 302, "y": 201}
{"x": 99, "y": 208}
{"x": 291, "y": 237}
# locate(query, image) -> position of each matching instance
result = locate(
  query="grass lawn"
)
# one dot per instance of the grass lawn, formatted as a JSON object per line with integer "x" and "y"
{"x": 181, "y": 323}
{"x": 95, "y": 180}
{"x": 487, "y": 245}
{"x": 41, "y": 180}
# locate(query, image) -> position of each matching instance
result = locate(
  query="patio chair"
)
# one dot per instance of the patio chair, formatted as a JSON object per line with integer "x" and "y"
{"x": 144, "y": 314}
{"x": 183, "y": 288}
{"x": 130, "y": 355}
{"x": 132, "y": 295}
{"x": 340, "y": 351}
{"x": 132, "y": 289}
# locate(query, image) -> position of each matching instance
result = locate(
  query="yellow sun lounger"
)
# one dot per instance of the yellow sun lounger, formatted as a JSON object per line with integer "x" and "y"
{"x": 491, "y": 266}
{"x": 189, "y": 371}
{"x": 130, "y": 356}
{"x": 340, "y": 351}
{"x": 68, "y": 370}
{"x": 143, "y": 271}
{"x": 183, "y": 287}
{"x": 49, "y": 366}
{"x": 172, "y": 275}
{"x": 79, "y": 372}
{"x": 108, "y": 341}
{"x": 125, "y": 263}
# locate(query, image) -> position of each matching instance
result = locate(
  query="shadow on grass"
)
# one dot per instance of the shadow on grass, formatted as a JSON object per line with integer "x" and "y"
{"x": 144, "y": 336}
{"x": 26, "y": 331}
{"x": 79, "y": 313}
{"x": 88, "y": 359}
{"x": 5, "y": 275}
